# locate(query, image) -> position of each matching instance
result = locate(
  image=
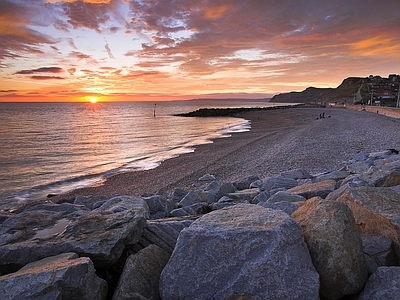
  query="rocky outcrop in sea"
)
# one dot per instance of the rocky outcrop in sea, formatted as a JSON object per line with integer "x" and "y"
{"x": 296, "y": 235}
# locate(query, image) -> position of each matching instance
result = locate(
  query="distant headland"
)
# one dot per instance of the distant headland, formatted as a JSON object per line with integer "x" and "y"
{"x": 371, "y": 90}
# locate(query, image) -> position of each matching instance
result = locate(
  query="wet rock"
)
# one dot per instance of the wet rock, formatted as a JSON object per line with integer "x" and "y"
{"x": 90, "y": 201}
{"x": 65, "y": 276}
{"x": 140, "y": 277}
{"x": 101, "y": 234}
{"x": 317, "y": 189}
{"x": 245, "y": 250}
{"x": 383, "y": 284}
{"x": 335, "y": 246}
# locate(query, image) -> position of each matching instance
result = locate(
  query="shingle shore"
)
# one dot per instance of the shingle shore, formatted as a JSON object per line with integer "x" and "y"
{"x": 278, "y": 140}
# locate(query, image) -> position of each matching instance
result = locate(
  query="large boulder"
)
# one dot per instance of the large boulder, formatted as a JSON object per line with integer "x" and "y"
{"x": 140, "y": 277}
{"x": 383, "y": 284}
{"x": 243, "y": 250}
{"x": 65, "y": 276}
{"x": 335, "y": 246}
{"x": 376, "y": 210}
{"x": 101, "y": 234}
{"x": 316, "y": 189}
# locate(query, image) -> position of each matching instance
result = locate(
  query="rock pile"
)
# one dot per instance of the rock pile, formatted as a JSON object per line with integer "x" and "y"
{"x": 292, "y": 236}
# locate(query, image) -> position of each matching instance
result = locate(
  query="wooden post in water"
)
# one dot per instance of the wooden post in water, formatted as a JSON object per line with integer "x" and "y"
{"x": 155, "y": 104}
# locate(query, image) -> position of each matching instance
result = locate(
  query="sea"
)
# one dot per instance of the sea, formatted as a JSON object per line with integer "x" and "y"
{"x": 51, "y": 148}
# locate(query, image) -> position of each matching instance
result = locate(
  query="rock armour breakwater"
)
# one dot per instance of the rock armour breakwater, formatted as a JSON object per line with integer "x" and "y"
{"x": 340, "y": 229}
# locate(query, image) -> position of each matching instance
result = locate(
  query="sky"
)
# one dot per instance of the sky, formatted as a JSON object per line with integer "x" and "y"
{"x": 118, "y": 50}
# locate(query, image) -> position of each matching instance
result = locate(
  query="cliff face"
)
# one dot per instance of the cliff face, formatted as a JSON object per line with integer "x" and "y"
{"x": 343, "y": 93}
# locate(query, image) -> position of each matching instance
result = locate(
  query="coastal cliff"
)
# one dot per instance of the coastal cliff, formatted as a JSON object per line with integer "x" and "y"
{"x": 343, "y": 93}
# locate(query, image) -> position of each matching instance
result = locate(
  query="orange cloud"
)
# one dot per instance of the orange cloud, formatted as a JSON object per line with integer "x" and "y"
{"x": 215, "y": 12}
{"x": 376, "y": 46}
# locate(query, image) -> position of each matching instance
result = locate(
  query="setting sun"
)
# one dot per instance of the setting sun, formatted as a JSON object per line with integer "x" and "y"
{"x": 93, "y": 99}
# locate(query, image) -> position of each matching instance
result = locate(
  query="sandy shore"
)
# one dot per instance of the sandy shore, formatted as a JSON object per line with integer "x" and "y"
{"x": 279, "y": 140}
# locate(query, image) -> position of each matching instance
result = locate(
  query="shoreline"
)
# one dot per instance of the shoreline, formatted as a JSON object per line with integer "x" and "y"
{"x": 278, "y": 140}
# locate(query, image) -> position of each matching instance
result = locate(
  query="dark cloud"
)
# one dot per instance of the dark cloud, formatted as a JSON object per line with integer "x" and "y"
{"x": 41, "y": 70}
{"x": 109, "y": 51}
{"x": 81, "y": 56}
{"x": 38, "y": 77}
{"x": 8, "y": 91}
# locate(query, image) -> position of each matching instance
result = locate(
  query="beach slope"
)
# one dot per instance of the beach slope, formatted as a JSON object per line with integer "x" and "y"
{"x": 279, "y": 140}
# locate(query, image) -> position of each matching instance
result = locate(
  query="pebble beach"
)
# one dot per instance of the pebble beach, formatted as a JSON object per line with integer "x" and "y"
{"x": 279, "y": 140}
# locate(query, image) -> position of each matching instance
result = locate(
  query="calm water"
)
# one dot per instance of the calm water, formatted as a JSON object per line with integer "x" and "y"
{"x": 55, "y": 147}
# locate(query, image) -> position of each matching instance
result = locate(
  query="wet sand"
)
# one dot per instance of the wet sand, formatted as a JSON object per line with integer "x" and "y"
{"x": 279, "y": 140}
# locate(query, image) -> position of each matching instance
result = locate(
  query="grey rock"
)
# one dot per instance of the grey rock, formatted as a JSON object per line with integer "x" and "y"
{"x": 296, "y": 174}
{"x": 391, "y": 179}
{"x": 354, "y": 180}
{"x": 207, "y": 177}
{"x": 191, "y": 198}
{"x": 317, "y": 189}
{"x": 334, "y": 175}
{"x": 332, "y": 237}
{"x": 179, "y": 212}
{"x": 244, "y": 195}
{"x": 380, "y": 154}
{"x": 89, "y": 201}
{"x": 163, "y": 233}
{"x": 211, "y": 192}
{"x": 101, "y": 235}
{"x": 64, "y": 207}
{"x": 376, "y": 211}
{"x": 378, "y": 252}
{"x": 287, "y": 207}
{"x": 395, "y": 188}
{"x": 384, "y": 284}
{"x": 360, "y": 156}
{"x": 140, "y": 277}
{"x": 359, "y": 167}
{"x": 217, "y": 205}
{"x": 261, "y": 197}
{"x": 191, "y": 210}
{"x": 277, "y": 182}
{"x": 119, "y": 204}
{"x": 245, "y": 183}
{"x": 178, "y": 194}
{"x": 156, "y": 203}
{"x": 246, "y": 250}
{"x": 285, "y": 196}
{"x": 225, "y": 188}
{"x": 65, "y": 276}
